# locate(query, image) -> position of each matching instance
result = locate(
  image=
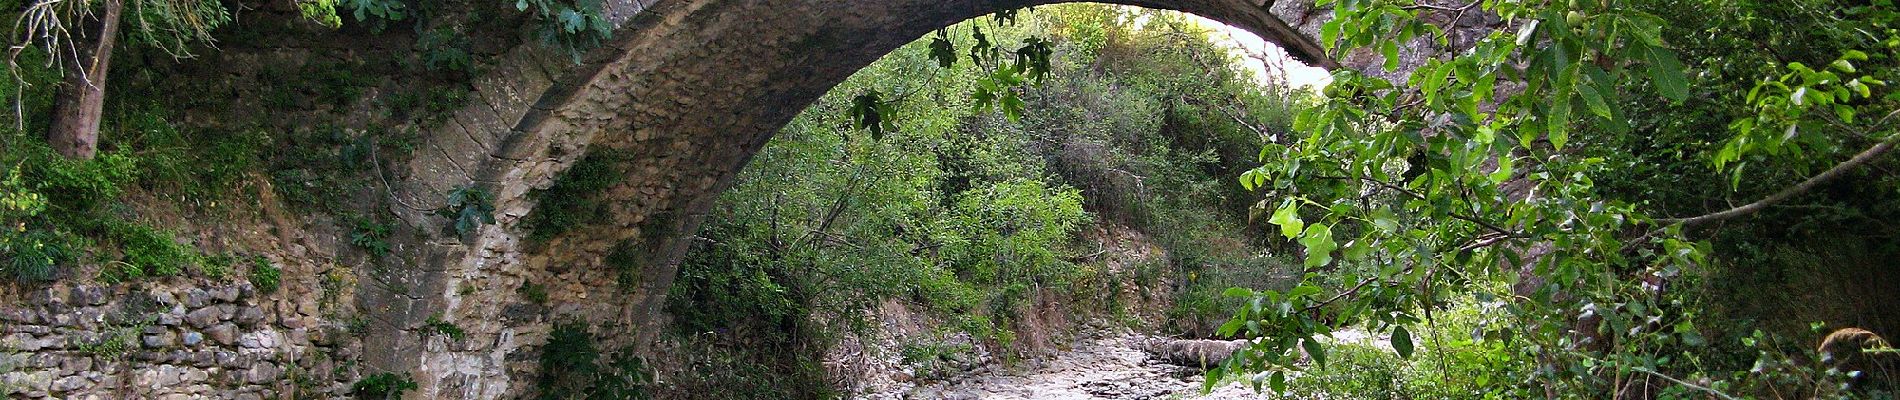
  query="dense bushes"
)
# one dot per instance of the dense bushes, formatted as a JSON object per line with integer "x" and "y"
{"x": 573, "y": 368}
{"x": 1466, "y": 352}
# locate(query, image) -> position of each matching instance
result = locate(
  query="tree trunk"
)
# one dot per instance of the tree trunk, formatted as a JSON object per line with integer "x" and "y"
{"x": 81, "y": 100}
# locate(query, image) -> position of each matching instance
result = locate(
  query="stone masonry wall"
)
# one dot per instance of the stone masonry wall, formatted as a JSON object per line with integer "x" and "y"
{"x": 179, "y": 341}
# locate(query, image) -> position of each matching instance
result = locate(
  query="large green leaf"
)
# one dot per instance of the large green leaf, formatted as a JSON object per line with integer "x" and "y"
{"x": 1402, "y": 341}
{"x": 1288, "y": 218}
{"x": 1313, "y": 349}
{"x": 943, "y": 51}
{"x": 1318, "y": 240}
{"x": 1671, "y": 79}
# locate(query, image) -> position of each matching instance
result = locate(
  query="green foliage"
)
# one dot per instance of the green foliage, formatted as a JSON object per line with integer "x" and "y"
{"x": 430, "y": 106}
{"x": 216, "y": 266}
{"x": 326, "y": 168}
{"x": 1466, "y": 352}
{"x": 534, "y": 292}
{"x": 727, "y": 371}
{"x": 1418, "y": 190}
{"x": 147, "y": 252}
{"x": 383, "y": 385}
{"x": 933, "y": 361}
{"x": 436, "y": 326}
{"x": 576, "y": 25}
{"x": 61, "y": 208}
{"x": 371, "y": 236}
{"x": 31, "y": 255}
{"x": 572, "y": 368}
{"x": 567, "y": 361}
{"x": 174, "y": 26}
{"x": 444, "y": 49}
{"x": 264, "y": 276}
{"x": 378, "y": 14}
{"x": 320, "y": 11}
{"x": 626, "y": 260}
{"x": 1470, "y": 351}
{"x": 1009, "y": 232}
{"x": 1357, "y": 371}
{"x": 869, "y": 111}
{"x": 573, "y": 199}
{"x": 468, "y": 208}
{"x": 625, "y": 376}
{"x": 115, "y": 343}
{"x": 79, "y": 186}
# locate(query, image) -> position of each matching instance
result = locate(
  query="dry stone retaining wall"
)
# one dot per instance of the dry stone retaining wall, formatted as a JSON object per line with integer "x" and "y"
{"x": 125, "y": 341}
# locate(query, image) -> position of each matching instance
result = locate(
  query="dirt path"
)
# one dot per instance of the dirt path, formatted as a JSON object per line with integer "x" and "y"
{"x": 1103, "y": 368}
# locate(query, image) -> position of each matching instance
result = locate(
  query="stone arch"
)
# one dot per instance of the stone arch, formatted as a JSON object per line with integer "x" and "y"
{"x": 685, "y": 94}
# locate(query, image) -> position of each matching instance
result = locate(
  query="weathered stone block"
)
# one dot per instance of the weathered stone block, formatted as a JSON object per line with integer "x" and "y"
{"x": 87, "y": 296}
{"x": 164, "y": 298}
{"x": 225, "y": 333}
{"x": 163, "y": 339}
{"x": 20, "y": 341}
{"x": 196, "y": 297}
{"x": 19, "y": 315}
{"x": 45, "y": 297}
{"x": 76, "y": 363}
{"x": 205, "y": 317}
{"x": 70, "y": 383}
{"x": 249, "y": 316}
{"x": 258, "y": 340}
{"x": 262, "y": 373}
{"x": 194, "y": 375}
{"x": 225, "y": 294}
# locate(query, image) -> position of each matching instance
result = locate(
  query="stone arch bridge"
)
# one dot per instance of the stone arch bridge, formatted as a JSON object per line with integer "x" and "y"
{"x": 687, "y": 91}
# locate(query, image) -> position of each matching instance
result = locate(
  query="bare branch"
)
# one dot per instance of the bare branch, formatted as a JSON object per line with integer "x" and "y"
{"x": 1865, "y": 156}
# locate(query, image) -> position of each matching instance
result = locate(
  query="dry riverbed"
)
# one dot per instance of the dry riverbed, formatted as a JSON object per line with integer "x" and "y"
{"x": 1108, "y": 367}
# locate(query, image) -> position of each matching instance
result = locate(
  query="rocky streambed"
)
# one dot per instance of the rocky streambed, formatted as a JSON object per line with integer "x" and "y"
{"x": 1116, "y": 366}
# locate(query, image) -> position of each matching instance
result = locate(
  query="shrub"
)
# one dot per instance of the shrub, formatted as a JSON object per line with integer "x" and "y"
{"x": 436, "y": 326}
{"x": 264, "y": 276}
{"x": 385, "y": 385}
{"x": 1453, "y": 362}
{"x": 148, "y": 252}
{"x": 216, "y": 267}
{"x": 80, "y": 186}
{"x": 468, "y": 208}
{"x": 371, "y": 236}
{"x": 35, "y": 255}
{"x": 1353, "y": 371}
{"x": 572, "y": 368}
{"x": 30, "y": 255}
{"x": 533, "y": 292}
{"x": 571, "y": 202}
{"x": 113, "y": 344}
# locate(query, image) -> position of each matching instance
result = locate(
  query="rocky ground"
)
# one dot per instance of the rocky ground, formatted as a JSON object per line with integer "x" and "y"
{"x": 1112, "y": 366}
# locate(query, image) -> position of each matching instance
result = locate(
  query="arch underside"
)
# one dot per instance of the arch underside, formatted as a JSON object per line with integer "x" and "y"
{"x": 684, "y": 95}
{"x": 694, "y": 88}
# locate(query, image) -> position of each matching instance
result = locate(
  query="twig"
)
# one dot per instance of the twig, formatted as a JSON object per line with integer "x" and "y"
{"x": 1467, "y": 218}
{"x": 1717, "y": 393}
{"x": 1355, "y": 289}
